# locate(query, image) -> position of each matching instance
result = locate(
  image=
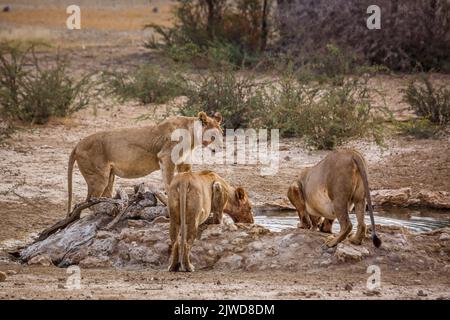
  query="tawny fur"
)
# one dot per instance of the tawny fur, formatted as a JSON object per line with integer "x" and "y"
{"x": 329, "y": 190}
{"x": 131, "y": 153}
{"x": 192, "y": 198}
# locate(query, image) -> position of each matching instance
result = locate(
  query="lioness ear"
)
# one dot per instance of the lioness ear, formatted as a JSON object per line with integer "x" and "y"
{"x": 218, "y": 117}
{"x": 240, "y": 193}
{"x": 203, "y": 117}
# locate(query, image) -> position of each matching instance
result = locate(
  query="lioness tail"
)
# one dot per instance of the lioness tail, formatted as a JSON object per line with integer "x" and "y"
{"x": 69, "y": 179}
{"x": 358, "y": 159}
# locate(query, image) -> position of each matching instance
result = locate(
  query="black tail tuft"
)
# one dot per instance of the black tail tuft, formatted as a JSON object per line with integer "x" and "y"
{"x": 376, "y": 241}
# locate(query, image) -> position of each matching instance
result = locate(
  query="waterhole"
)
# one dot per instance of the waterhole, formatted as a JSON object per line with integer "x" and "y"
{"x": 418, "y": 220}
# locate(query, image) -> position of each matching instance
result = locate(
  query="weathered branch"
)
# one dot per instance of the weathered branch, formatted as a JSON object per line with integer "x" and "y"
{"x": 73, "y": 216}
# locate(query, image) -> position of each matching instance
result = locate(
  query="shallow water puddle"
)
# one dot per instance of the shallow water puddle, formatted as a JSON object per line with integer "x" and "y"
{"x": 418, "y": 220}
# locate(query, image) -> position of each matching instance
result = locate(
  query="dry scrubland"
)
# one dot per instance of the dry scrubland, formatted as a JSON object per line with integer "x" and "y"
{"x": 103, "y": 22}
{"x": 33, "y": 164}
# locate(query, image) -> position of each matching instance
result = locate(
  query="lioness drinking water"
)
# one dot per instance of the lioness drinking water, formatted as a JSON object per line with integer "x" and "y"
{"x": 192, "y": 198}
{"x": 330, "y": 189}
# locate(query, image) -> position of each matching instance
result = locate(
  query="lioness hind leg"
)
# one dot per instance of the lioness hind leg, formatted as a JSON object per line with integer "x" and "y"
{"x": 357, "y": 238}
{"x": 186, "y": 264}
{"x": 108, "y": 192}
{"x": 344, "y": 223}
{"x": 175, "y": 264}
{"x": 173, "y": 230}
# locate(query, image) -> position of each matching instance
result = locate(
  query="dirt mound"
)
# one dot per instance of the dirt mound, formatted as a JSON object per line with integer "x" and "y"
{"x": 141, "y": 240}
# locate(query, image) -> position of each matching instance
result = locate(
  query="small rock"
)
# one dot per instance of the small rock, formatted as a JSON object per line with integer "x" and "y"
{"x": 346, "y": 252}
{"x": 11, "y": 272}
{"x": 420, "y": 293}
{"x": 444, "y": 237}
{"x": 231, "y": 262}
{"x": 61, "y": 286}
{"x": 136, "y": 223}
{"x": 348, "y": 287}
{"x": 160, "y": 219}
{"x": 95, "y": 262}
{"x": 218, "y": 283}
{"x": 42, "y": 260}
{"x": 371, "y": 293}
{"x": 257, "y": 245}
{"x": 2, "y": 276}
{"x": 325, "y": 263}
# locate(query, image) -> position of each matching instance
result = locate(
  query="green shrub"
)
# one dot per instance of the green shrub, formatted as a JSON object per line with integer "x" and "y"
{"x": 332, "y": 66}
{"x": 325, "y": 116}
{"x": 341, "y": 114}
{"x": 419, "y": 128}
{"x": 146, "y": 84}
{"x": 428, "y": 102}
{"x": 33, "y": 94}
{"x": 226, "y": 92}
{"x": 215, "y": 32}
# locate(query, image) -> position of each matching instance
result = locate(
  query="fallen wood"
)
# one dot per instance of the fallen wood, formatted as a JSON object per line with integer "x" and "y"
{"x": 73, "y": 216}
{"x": 121, "y": 202}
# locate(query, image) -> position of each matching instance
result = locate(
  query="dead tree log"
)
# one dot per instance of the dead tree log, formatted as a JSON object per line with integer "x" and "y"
{"x": 73, "y": 216}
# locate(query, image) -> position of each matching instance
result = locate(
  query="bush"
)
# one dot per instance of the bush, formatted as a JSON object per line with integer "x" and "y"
{"x": 341, "y": 114}
{"x": 232, "y": 32}
{"x": 226, "y": 92}
{"x": 325, "y": 116}
{"x": 419, "y": 128}
{"x": 428, "y": 102}
{"x": 33, "y": 94}
{"x": 146, "y": 84}
{"x": 414, "y": 33}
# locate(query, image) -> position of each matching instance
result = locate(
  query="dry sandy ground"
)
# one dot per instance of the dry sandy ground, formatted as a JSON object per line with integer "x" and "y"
{"x": 340, "y": 283}
{"x": 33, "y": 166}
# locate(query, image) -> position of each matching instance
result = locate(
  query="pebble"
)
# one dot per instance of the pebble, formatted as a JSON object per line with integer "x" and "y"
{"x": 2, "y": 276}
{"x": 420, "y": 293}
{"x": 444, "y": 237}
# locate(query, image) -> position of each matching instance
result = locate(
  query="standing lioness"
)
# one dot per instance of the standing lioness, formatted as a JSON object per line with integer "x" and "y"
{"x": 329, "y": 190}
{"x": 132, "y": 153}
{"x": 192, "y": 197}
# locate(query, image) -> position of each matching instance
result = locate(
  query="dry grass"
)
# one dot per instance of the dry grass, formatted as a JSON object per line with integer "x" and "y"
{"x": 117, "y": 19}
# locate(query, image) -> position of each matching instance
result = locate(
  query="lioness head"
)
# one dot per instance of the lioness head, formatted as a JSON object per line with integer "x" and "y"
{"x": 211, "y": 129}
{"x": 240, "y": 210}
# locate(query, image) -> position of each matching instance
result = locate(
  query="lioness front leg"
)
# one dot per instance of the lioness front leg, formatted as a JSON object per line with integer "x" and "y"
{"x": 167, "y": 171}
{"x": 218, "y": 202}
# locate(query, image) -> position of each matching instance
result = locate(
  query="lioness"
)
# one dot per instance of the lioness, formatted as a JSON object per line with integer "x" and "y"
{"x": 132, "y": 153}
{"x": 329, "y": 190}
{"x": 192, "y": 197}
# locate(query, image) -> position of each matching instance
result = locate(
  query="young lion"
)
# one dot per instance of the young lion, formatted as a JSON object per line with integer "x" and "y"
{"x": 132, "y": 153}
{"x": 192, "y": 197}
{"x": 329, "y": 190}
